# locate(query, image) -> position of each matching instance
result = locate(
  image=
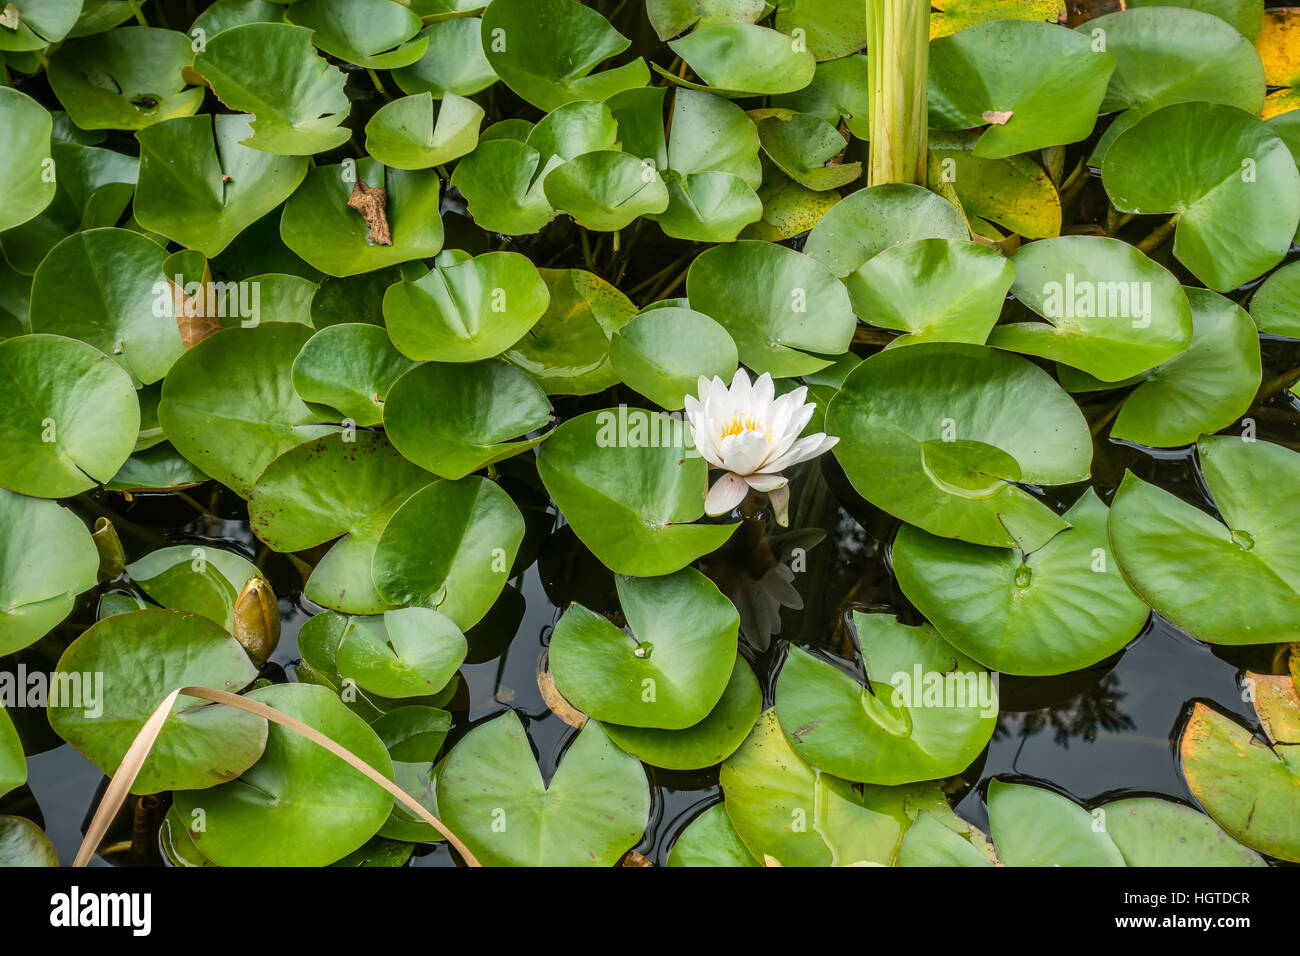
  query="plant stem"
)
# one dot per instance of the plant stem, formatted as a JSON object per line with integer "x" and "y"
{"x": 374, "y": 78}
{"x": 898, "y": 35}
{"x": 1159, "y": 234}
{"x": 139, "y": 14}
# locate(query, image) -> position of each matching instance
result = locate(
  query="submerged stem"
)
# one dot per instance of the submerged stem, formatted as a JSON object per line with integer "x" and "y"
{"x": 898, "y": 35}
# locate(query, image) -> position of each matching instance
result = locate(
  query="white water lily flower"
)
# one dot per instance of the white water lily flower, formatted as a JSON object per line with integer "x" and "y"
{"x": 752, "y": 436}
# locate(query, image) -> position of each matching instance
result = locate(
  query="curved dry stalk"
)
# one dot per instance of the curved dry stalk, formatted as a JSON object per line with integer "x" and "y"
{"x": 144, "y": 741}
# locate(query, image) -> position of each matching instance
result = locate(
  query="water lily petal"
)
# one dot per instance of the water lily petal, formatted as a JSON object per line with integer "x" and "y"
{"x": 780, "y": 500}
{"x": 808, "y": 447}
{"x": 765, "y": 482}
{"x": 745, "y": 453}
{"x": 727, "y": 492}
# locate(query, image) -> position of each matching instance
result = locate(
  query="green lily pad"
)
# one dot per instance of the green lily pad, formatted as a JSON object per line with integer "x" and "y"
{"x": 1051, "y": 82}
{"x": 337, "y": 485}
{"x": 784, "y": 809}
{"x": 546, "y": 50}
{"x": 201, "y": 187}
{"x": 1151, "y": 832}
{"x": 1014, "y": 192}
{"x": 897, "y": 406}
{"x": 1032, "y": 826}
{"x": 927, "y": 712}
{"x": 630, "y": 501}
{"x": 1059, "y": 609}
{"x": 574, "y": 129}
{"x": 13, "y": 763}
{"x": 73, "y": 416}
{"x": 1229, "y": 178}
{"x": 359, "y": 298}
{"x": 1247, "y": 786}
{"x": 201, "y": 580}
{"x": 1167, "y": 55}
{"x": 453, "y": 62}
{"x": 273, "y": 71}
{"x": 413, "y": 735}
{"x": 40, "y": 24}
{"x": 225, "y": 14}
{"x": 663, "y": 352}
{"x": 411, "y": 652}
{"x": 777, "y": 304}
{"x": 466, "y": 311}
{"x": 502, "y": 181}
{"x": 29, "y": 183}
{"x": 319, "y": 225}
{"x": 1202, "y": 390}
{"x": 606, "y": 190}
{"x": 808, "y": 149}
{"x": 47, "y": 558}
{"x": 349, "y": 369}
{"x": 456, "y": 419}
{"x": 712, "y": 135}
{"x": 461, "y": 570}
{"x": 299, "y": 805}
{"x": 160, "y": 468}
{"x": 672, "y": 17}
{"x": 708, "y": 207}
{"x": 1110, "y": 310}
{"x": 869, "y": 221}
{"x": 375, "y": 34}
{"x": 567, "y": 351}
{"x": 229, "y": 406}
{"x": 938, "y": 290}
{"x": 1245, "y": 15}
{"x": 404, "y": 134}
{"x": 1235, "y": 582}
{"x": 125, "y": 665}
{"x": 493, "y": 797}
{"x": 743, "y": 58}
{"x": 710, "y": 840}
{"x": 1275, "y": 306}
{"x": 23, "y": 843}
{"x": 930, "y": 842}
{"x": 125, "y": 79}
{"x": 830, "y": 28}
{"x": 102, "y": 287}
{"x": 669, "y": 673}
{"x": 837, "y": 93}
{"x": 706, "y": 743}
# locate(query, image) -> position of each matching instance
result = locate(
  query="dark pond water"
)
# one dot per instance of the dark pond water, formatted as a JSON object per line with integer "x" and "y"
{"x": 1092, "y": 734}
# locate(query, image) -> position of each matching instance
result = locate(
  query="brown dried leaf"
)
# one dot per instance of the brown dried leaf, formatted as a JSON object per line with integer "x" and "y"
{"x": 372, "y": 203}
{"x": 997, "y": 117}
{"x": 192, "y": 314}
{"x": 555, "y": 700}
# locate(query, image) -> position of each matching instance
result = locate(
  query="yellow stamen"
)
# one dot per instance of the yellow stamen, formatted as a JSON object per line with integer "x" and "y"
{"x": 738, "y": 425}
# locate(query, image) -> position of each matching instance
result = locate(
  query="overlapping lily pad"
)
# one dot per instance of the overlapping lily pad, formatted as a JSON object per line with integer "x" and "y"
{"x": 453, "y": 61}
{"x": 1059, "y": 609}
{"x": 736, "y": 59}
{"x": 116, "y": 674}
{"x": 411, "y": 652}
{"x": 927, "y": 434}
{"x": 710, "y": 840}
{"x": 23, "y": 843}
{"x": 606, "y": 190}
{"x": 349, "y": 369}
{"x": 492, "y": 795}
{"x": 375, "y": 34}
{"x": 28, "y": 186}
{"x": 199, "y": 579}
{"x": 405, "y": 134}
{"x": 1234, "y": 581}
{"x": 663, "y": 352}
{"x": 927, "y": 711}
{"x": 1275, "y": 305}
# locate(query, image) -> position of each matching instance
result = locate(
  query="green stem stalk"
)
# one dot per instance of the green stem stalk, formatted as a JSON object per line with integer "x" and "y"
{"x": 898, "y": 37}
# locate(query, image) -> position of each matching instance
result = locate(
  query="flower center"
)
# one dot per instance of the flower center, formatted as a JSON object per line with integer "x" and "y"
{"x": 739, "y": 425}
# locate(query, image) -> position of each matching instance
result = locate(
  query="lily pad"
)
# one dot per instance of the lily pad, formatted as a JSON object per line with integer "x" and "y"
{"x": 808, "y": 149}
{"x": 837, "y": 93}
{"x": 630, "y": 501}
{"x": 710, "y": 840}
{"x": 202, "y": 580}
{"x": 413, "y": 735}
{"x": 411, "y": 652}
{"x": 115, "y": 675}
{"x": 1278, "y": 44}
{"x": 73, "y": 416}
{"x": 23, "y": 843}
{"x": 567, "y": 351}
{"x": 743, "y": 59}
{"x": 349, "y": 369}
{"x": 930, "y": 842}
{"x": 869, "y": 221}
{"x": 13, "y": 763}
{"x": 606, "y": 190}
{"x": 1151, "y": 832}
{"x": 777, "y": 304}
{"x": 898, "y": 408}
{"x": 706, "y": 743}
{"x": 466, "y": 311}
{"x": 927, "y": 711}
{"x": 1014, "y": 192}
{"x": 201, "y": 187}
{"x": 1110, "y": 310}
{"x": 708, "y": 207}
{"x": 39, "y": 24}
{"x": 957, "y": 298}
{"x": 299, "y": 805}
{"x": 672, "y": 17}
{"x": 830, "y": 28}
{"x": 374, "y": 34}
{"x": 456, "y": 419}
{"x": 461, "y": 570}
{"x": 1050, "y": 81}
{"x": 453, "y": 62}
{"x": 272, "y": 71}
{"x": 25, "y": 155}
{"x": 663, "y": 352}
{"x": 1057, "y": 610}
{"x": 229, "y": 405}
{"x": 1231, "y": 582}
{"x": 502, "y": 181}
{"x": 547, "y": 50}
{"x": 47, "y": 558}
{"x": 492, "y": 795}
{"x": 125, "y": 79}
{"x": 338, "y": 486}
{"x": 404, "y": 134}
{"x": 319, "y": 225}
{"x": 102, "y": 286}
{"x": 1032, "y": 826}
{"x": 949, "y": 16}
{"x": 669, "y": 673}
{"x": 1275, "y": 306}
{"x": 1227, "y": 176}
